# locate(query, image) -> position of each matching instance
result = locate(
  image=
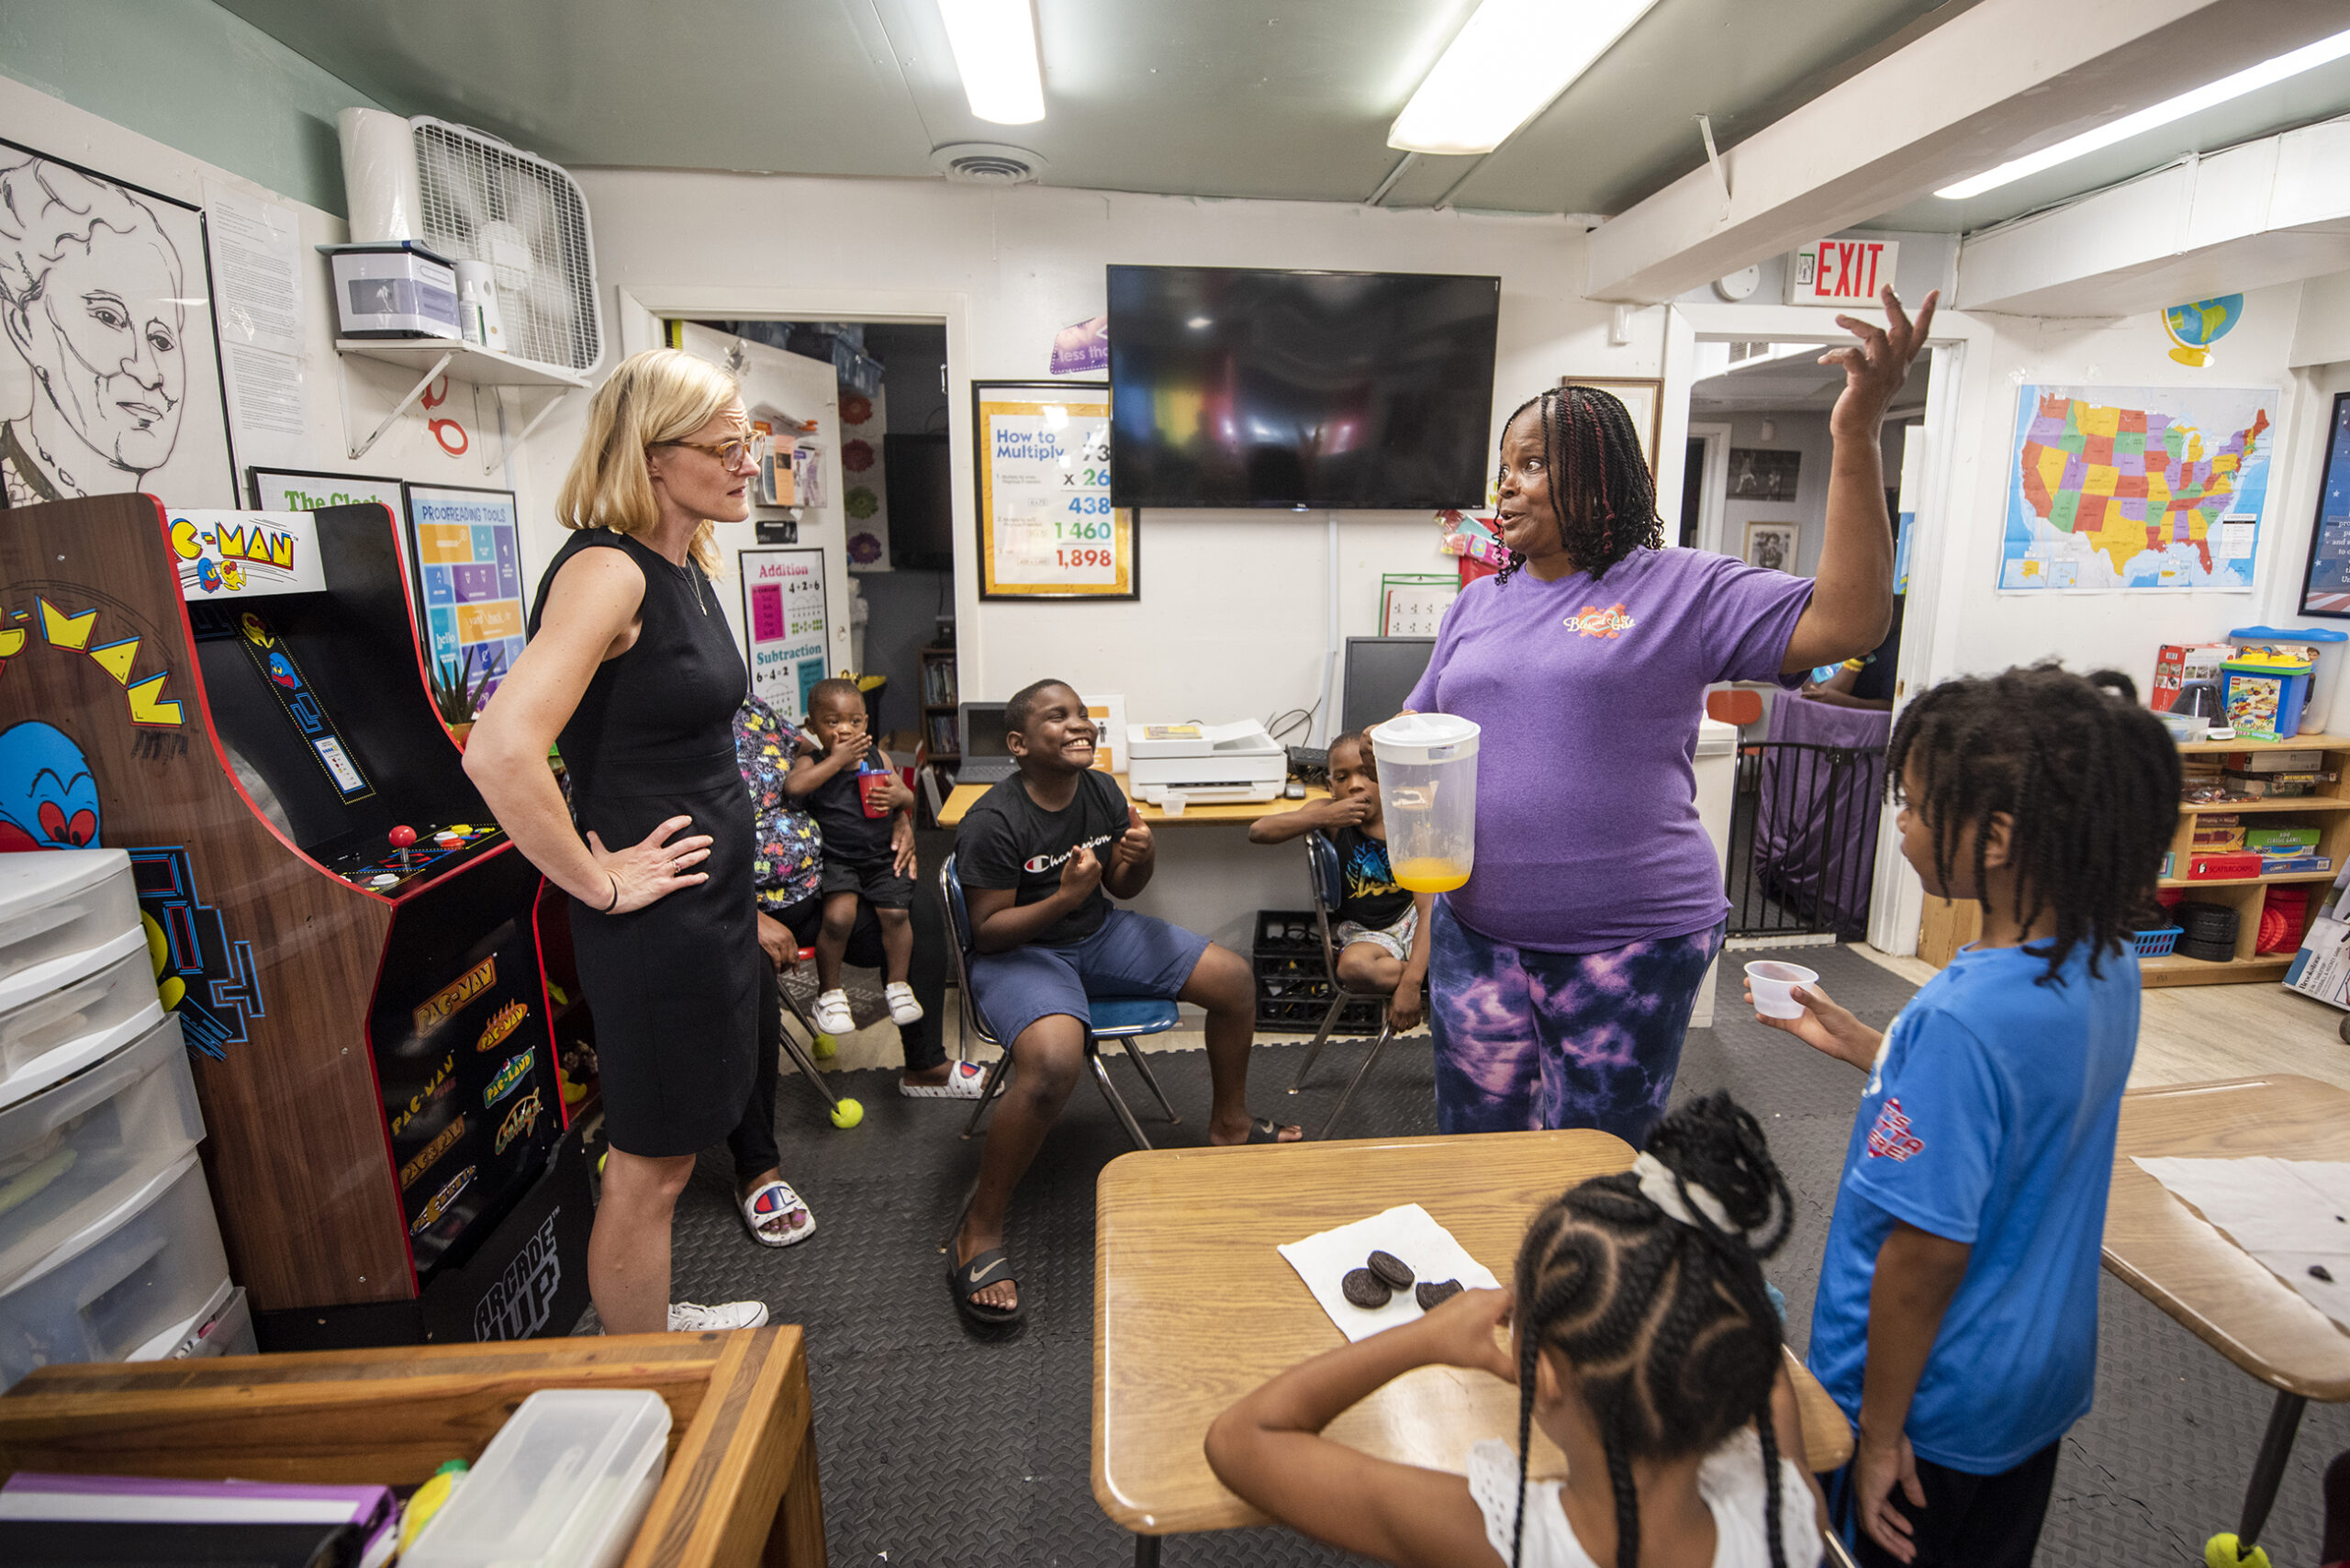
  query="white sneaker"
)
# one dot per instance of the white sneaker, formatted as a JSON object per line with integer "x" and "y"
{"x": 903, "y": 1005}
{"x": 967, "y": 1080}
{"x": 832, "y": 1015}
{"x": 685, "y": 1318}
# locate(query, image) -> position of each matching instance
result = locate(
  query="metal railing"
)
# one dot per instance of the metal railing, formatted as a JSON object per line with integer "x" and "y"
{"x": 1803, "y": 839}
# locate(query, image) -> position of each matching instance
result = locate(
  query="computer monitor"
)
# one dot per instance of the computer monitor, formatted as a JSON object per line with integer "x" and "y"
{"x": 983, "y": 730}
{"x": 1380, "y": 673}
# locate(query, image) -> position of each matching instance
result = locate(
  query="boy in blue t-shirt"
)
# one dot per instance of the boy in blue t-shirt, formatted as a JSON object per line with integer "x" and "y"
{"x": 1957, "y": 1319}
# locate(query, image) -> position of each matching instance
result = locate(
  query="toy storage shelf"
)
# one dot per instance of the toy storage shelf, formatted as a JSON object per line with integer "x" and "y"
{"x": 2327, "y": 811}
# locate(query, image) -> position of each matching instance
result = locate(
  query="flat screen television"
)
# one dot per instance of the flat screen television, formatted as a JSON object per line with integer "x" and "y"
{"x": 1234, "y": 386}
{"x": 921, "y": 524}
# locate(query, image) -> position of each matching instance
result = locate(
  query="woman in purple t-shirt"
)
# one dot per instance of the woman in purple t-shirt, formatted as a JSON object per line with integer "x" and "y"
{"x": 1561, "y": 978}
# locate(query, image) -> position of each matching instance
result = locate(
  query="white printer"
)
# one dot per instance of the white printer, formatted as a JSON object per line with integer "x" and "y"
{"x": 1204, "y": 762}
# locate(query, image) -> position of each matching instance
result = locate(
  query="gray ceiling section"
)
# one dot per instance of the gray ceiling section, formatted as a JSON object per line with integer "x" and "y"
{"x": 1266, "y": 98}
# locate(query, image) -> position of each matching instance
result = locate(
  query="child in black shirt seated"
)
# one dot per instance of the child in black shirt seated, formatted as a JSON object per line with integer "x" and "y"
{"x": 1382, "y": 934}
{"x": 1035, "y": 857}
{"x": 853, "y": 794}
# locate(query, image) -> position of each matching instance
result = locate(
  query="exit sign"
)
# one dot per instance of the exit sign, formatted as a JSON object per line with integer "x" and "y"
{"x": 1841, "y": 271}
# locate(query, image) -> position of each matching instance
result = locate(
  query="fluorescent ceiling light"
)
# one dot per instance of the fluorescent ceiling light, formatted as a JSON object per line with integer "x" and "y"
{"x": 995, "y": 53}
{"x": 1503, "y": 67}
{"x": 2266, "y": 73}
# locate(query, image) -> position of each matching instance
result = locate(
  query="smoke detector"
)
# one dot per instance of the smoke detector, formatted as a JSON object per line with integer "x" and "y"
{"x": 987, "y": 163}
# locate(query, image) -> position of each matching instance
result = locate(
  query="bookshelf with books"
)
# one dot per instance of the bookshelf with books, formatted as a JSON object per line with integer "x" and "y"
{"x": 940, "y": 696}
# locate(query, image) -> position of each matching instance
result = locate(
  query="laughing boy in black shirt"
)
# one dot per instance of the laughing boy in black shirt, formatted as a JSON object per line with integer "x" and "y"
{"x": 1039, "y": 857}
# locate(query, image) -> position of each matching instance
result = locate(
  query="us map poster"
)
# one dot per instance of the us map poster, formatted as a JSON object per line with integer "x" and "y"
{"x": 2134, "y": 487}
{"x": 1047, "y": 527}
{"x": 784, "y": 626}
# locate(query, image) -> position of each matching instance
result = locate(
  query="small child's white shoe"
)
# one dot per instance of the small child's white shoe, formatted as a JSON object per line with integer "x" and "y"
{"x": 685, "y": 1318}
{"x": 832, "y": 1015}
{"x": 903, "y": 1005}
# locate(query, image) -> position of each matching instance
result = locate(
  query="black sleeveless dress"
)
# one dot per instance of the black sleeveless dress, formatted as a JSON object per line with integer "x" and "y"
{"x": 673, "y": 987}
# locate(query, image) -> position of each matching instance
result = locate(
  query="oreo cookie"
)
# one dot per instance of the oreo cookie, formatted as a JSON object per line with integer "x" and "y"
{"x": 1433, "y": 1294}
{"x": 1394, "y": 1271}
{"x": 1365, "y": 1289}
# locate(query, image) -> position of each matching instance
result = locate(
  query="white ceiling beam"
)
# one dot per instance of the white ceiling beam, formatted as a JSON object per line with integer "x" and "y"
{"x": 2002, "y": 79}
{"x": 2271, "y": 211}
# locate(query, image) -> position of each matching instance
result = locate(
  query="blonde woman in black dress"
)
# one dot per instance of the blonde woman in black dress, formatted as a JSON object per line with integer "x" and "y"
{"x": 632, "y": 666}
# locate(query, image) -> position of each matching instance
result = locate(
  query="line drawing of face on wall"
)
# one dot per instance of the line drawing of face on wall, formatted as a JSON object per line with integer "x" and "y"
{"x": 93, "y": 299}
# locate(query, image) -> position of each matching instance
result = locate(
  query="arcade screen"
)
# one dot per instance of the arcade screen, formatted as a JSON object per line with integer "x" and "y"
{"x": 1234, "y": 386}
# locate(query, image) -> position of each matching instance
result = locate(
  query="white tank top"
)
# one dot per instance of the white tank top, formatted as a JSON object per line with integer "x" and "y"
{"x": 1730, "y": 1481}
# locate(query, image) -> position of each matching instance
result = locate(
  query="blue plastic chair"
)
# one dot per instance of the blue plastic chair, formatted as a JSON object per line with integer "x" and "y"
{"x": 1121, "y": 1018}
{"x": 1326, "y": 881}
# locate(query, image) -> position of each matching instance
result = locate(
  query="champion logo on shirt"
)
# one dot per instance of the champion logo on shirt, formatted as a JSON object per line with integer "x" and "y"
{"x": 1594, "y": 622}
{"x": 1891, "y": 1138}
{"x": 1036, "y": 865}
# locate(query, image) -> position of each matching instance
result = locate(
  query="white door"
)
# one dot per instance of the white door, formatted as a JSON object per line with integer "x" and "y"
{"x": 786, "y": 389}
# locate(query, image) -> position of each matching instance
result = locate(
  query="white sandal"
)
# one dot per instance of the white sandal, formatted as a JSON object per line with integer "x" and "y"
{"x": 774, "y": 1203}
{"x": 965, "y": 1080}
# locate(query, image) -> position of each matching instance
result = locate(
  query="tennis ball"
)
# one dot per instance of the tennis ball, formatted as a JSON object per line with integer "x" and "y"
{"x": 848, "y": 1112}
{"x": 827, "y": 1048}
{"x": 2221, "y": 1551}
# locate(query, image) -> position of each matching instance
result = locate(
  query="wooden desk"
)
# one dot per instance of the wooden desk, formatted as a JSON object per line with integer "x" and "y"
{"x": 966, "y": 796}
{"x": 1192, "y": 1307}
{"x": 740, "y": 1489}
{"x": 2166, "y": 1253}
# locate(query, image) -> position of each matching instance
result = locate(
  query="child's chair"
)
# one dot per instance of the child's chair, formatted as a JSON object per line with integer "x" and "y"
{"x": 1122, "y": 1018}
{"x": 1326, "y": 881}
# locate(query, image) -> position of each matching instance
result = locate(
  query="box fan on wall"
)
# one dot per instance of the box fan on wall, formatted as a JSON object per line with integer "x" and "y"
{"x": 469, "y": 197}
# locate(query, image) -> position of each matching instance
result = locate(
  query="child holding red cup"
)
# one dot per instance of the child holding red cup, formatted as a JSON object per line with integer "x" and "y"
{"x": 853, "y": 793}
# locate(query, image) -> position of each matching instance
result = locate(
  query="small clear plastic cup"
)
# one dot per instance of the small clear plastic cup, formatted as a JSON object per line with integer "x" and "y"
{"x": 1774, "y": 984}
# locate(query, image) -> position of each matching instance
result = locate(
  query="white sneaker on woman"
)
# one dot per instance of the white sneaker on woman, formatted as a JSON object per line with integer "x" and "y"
{"x": 903, "y": 1008}
{"x": 832, "y": 1015}
{"x": 685, "y": 1318}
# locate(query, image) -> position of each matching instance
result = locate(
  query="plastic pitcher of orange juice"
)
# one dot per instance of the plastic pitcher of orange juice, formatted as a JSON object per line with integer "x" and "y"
{"x": 1427, "y": 788}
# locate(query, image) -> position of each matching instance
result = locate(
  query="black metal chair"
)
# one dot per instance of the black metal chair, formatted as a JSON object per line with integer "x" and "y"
{"x": 1121, "y": 1018}
{"x": 1326, "y": 881}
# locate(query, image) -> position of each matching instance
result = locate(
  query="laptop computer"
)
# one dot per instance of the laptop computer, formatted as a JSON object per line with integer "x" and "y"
{"x": 986, "y": 758}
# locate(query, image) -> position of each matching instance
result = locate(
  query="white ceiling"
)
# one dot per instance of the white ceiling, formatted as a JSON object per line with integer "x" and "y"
{"x": 1266, "y": 98}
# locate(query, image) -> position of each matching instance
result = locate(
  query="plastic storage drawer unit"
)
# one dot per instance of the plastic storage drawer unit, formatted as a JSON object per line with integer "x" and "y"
{"x": 71, "y": 1154}
{"x": 56, "y": 904}
{"x": 154, "y": 1261}
{"x": 49, "y": 1032}
{"x": 564, "y": 1485}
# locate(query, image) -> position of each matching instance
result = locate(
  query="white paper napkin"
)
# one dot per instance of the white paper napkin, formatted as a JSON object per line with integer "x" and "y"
{"x": 2291, "y": 1215}
{"x": 1409, "y": 1232}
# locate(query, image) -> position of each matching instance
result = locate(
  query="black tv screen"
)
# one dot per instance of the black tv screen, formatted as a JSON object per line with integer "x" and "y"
{"x": 1232, "y": 386}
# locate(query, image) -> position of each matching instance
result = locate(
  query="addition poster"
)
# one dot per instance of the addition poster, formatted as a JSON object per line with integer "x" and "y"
{"x": 783, "y": 619}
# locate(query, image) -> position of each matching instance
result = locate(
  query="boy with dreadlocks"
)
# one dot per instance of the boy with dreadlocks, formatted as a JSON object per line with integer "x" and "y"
{"x": 1956, "y": 1319}
{"x": 1644, "y": 1343}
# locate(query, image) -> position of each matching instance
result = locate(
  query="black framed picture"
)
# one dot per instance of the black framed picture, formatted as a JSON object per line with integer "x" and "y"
{"x": 1047, "y": 527}
{"x": 2325, "y": 581}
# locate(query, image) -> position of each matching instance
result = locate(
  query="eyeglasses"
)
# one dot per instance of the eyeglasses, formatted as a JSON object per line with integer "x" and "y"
{"x": 730, "y": 453}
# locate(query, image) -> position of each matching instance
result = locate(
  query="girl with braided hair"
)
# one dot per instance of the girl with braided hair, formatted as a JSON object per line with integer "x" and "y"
{"x": 1643, "y": 1342}
{"x": 1561, "y": 976}
{"x": 1957, "y": 1319}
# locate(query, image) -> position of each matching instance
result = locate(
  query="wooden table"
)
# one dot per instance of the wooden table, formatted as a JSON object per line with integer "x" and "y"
{"x": 2167, "y": 1253}
{"x": 740, "y": 1489}
{"x": 964, "y": 796}
{"x": 1185, "y": 1238}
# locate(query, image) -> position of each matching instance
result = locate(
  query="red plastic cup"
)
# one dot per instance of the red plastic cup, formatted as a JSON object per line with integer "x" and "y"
{"x": 874, "y": 789}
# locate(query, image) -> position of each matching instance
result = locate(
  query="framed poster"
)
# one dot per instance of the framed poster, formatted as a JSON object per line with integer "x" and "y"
{"x": 783, "y": 626}
{"x": 2325, "y": 581}
{"x": 1760, "y": 474}
{"x": 295, "y": 490}
{"x": 1047, "y": 528}
{"x": 465, "y": 552}
{"x": 1772, "y": 545}
{"x": 1643, "y": 399}
{"x": 111, "y": 374}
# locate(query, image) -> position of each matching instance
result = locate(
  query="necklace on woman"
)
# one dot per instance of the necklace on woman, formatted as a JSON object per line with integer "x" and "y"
{"x": 687, "y": 573}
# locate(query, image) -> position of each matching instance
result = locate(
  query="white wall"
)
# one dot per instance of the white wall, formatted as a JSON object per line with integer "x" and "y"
{"x": 1231, "y": 618}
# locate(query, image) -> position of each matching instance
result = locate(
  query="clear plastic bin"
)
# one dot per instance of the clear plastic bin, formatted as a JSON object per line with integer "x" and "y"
{"x": 56, "y": 905}
{"x": 72, "y": 1152}
{"x": 154, "y": 1261}
{"x": 564, "y": 1485}
{"x": 44, "y": 1038}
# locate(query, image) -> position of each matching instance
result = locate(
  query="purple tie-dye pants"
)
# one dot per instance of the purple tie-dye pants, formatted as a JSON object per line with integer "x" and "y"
{"x": 1526, "y": 1039}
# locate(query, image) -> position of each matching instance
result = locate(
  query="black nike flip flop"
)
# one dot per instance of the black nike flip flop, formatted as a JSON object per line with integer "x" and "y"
{"x": 967, "y": 1280}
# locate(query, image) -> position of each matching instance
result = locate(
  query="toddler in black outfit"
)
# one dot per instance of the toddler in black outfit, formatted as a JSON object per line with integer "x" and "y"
{"x": 835, "y": 784}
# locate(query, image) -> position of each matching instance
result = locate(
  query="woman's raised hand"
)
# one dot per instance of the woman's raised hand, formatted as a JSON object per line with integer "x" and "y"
{"x": 1875, "y": 367}
{"x": 649, "y": 871}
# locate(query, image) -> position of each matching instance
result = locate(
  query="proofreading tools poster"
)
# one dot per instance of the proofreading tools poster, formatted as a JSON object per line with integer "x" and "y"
{"x": 783, "y": 617}
{"x": 1047, "y": 527}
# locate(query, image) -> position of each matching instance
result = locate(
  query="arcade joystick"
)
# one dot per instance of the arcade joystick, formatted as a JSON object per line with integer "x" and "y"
{"x": 402, "y": 837}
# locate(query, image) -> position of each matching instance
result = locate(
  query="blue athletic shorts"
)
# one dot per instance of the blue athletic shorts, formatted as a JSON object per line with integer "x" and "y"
{"x": 1128, "y": 955}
